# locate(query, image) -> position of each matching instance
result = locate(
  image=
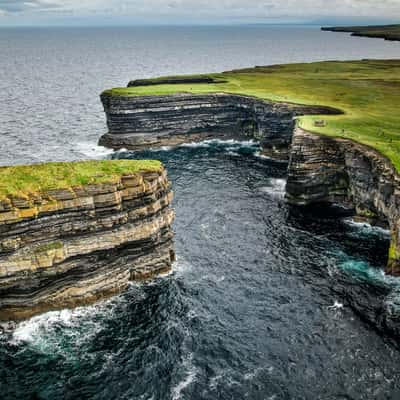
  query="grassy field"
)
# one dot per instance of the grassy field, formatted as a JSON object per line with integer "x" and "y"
{"x": 368, "y": 92}
{"x": 388, "y": 32}
{"x": 23, "y": 180}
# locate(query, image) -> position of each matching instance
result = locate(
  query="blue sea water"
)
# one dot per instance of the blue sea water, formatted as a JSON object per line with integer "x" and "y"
{"x": 262, "y": 304}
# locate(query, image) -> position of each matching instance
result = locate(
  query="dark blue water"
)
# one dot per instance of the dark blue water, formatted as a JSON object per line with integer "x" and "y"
{"x": 263, "y": 303}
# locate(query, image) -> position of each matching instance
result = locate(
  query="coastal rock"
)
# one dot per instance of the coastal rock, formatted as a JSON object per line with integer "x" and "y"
{"x": 70, "y": 247}
{"x": 141, "y": 122}
{"x": 333, "y": 170}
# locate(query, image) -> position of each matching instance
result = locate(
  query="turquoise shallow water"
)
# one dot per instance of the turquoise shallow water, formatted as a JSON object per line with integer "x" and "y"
{"x": 263, "y": 303}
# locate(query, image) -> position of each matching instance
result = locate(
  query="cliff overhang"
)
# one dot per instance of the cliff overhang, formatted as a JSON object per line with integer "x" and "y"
{"x": 142, "y": 122}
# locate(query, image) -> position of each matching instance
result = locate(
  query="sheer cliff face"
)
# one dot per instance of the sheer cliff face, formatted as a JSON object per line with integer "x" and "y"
{"x": 73, "y": 247}
{"x": 324, "y": 169}
{"x": 141, "y": 122}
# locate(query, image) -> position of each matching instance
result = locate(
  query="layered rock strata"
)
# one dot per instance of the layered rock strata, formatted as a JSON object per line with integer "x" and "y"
{"x": 321, "y": 169}
{"x": 324, "y": 169}
{"x": 138, "y": 123}
{"x": 71, "y": 247}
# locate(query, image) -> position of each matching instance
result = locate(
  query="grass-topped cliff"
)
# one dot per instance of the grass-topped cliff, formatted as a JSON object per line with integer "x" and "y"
{"x": 368, "y": 92}
{"x": 25, "y": 180}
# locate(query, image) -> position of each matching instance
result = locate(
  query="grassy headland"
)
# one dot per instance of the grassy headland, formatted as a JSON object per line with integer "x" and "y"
{"x": 25, "y": 180}
{"x": 368, "y": 92}
{"x": 388, "y": 32}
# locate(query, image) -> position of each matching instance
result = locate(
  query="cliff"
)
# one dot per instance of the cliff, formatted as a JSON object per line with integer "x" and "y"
{"x": 348, "y": 89}
{"x": 72, "y": 245}
{"x": 321, "y": 169}
{"x": 334, "y": 170}
{"x": 387, "y": 32}
{"x": 140, "y": 122}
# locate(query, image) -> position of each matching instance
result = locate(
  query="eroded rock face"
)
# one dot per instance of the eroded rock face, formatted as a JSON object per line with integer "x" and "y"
{"x": 73, "y": 247}
{"x": 324, "y": 169}
{"x": 137, "y": 123}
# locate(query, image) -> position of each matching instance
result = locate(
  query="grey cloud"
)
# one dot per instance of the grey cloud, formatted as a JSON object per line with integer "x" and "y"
{"x": 12, "y": 6}
{"x": 208, "y": 9}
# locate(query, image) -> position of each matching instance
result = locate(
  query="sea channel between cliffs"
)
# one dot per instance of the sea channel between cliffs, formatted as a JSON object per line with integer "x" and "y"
{"x": 322, "y": 171}
{"x": 128, "y": 222}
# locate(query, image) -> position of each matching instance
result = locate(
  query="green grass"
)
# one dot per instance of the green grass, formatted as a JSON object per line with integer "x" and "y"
{"x": 25, "y": 180}
{"x": 368, "y": 92}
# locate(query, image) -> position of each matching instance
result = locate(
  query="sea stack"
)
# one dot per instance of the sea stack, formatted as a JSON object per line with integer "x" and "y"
{"x": 73, "y": 233}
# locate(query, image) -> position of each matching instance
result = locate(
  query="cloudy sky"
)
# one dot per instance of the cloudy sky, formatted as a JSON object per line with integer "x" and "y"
{"x": 31, "y": 12}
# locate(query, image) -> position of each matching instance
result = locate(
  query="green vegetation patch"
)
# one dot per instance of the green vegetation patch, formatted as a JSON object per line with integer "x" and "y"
{"x": 44, "y": 248}
{"x": 26, "y": 180}
{"x": 367, "y": 91}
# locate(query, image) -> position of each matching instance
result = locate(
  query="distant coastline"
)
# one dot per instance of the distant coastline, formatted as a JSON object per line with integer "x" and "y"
{"x": 387, "y": 32}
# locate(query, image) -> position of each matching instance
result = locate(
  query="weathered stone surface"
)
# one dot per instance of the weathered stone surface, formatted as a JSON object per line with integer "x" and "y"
{"x": 137, "y": 123}
{"x": 76, "y": 246}
{"x": 324, "y": 169}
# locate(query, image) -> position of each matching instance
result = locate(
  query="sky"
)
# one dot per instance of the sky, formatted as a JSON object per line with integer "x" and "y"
{"x": 81, "y": 12}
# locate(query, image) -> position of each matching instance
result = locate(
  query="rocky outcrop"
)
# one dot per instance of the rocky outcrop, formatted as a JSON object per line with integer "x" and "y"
{"x": 137, "y": 123}
{"x": 64, "y": 248}
{"x": 332, "y": 170}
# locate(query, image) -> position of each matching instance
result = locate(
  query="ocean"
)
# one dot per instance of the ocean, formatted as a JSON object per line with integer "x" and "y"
{"x": 260, "y": 303}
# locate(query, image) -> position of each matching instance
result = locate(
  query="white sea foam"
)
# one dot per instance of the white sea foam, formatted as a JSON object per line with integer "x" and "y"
{"x": 366, "y": 226}
{"x": 190, "y": 376}
{"x": 264, "y": 157}
{"x": 28, "y": 331}
{"x": 276, "y": 187}
{"x": 336, "y": 306}
{"x": 92, "y": 150}
{"x": 195, "y": 144}
{"x": 42, "y": 332}
{"x": 228, "y": 143}
{"x": 181, "y": 266}
{"x": 162, "y": 148}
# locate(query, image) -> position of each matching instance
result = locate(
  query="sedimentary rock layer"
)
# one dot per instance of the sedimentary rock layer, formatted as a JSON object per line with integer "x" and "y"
{"x": 324, "y": 169}
{"x": 137, "y": 123}
{"x": 71, "y": 247}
